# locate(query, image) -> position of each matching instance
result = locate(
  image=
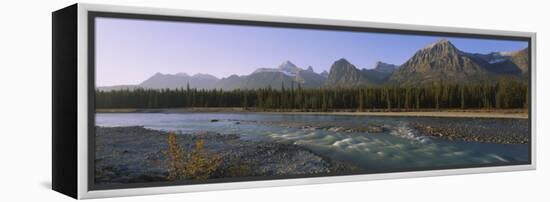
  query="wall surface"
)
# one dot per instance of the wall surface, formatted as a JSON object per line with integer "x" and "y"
{"x": 25, "y": 105}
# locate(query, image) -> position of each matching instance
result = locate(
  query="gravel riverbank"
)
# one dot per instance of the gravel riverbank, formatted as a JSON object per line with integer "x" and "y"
{"x": 136, "y": 154}
{"x": 515, "y": 134}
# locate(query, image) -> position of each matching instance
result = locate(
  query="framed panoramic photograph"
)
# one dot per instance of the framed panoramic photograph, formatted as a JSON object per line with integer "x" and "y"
{"x": 149, "y": 101}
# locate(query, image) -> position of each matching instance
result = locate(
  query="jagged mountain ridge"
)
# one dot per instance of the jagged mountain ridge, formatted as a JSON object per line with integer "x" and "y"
{"x": 442, "y": 62}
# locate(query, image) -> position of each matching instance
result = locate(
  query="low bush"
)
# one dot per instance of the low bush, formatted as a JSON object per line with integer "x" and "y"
{"x": 195, "y": 164}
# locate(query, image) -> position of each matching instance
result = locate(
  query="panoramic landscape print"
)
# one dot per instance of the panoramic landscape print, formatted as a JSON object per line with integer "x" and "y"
{"x": 188, "y": 103}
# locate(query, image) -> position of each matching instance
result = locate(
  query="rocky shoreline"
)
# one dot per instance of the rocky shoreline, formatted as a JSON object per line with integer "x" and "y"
{"x": 472, "y": 134}
{"x": 136, "y": 154}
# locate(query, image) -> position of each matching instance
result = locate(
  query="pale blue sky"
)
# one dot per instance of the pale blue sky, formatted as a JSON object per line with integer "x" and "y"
{"x": 129, "y": 51}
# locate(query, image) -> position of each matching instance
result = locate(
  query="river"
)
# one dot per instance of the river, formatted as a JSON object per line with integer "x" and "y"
{"x": 399, "y": 146}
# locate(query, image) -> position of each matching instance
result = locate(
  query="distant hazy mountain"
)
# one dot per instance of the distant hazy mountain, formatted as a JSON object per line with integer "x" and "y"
{"x": 232, "y": 82}
{"x": 287, "y": 74}
{"x": 514, "y": 63}
{"x": 258, "y": 79}
{"x": 384, "y": 67}
{"x": 380, "y": 73}
{"x": 118, "y": 87}
{"x": 267, "y": 79}
{"x": 179, "y": 80}
{"x": 309, "y": 79}
{"x": 286, "y": 67}
{"x": 324, "y": 74}
{"x": 521, "y": 59}
{"x": 289, "y": 67}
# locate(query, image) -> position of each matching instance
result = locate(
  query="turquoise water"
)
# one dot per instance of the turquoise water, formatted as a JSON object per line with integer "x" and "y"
{"x": 398, "y": 147}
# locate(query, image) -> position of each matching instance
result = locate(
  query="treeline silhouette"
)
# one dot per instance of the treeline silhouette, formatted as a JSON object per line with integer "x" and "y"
{"x": 505, "y": 94}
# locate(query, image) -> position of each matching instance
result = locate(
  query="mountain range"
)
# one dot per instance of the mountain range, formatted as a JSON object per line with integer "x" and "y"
{"x": 442, "y": 62}
{"x": 439, "y": 62}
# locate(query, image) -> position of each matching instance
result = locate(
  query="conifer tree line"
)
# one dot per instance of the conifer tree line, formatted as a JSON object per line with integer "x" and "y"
{"x": 505, "y": 94}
